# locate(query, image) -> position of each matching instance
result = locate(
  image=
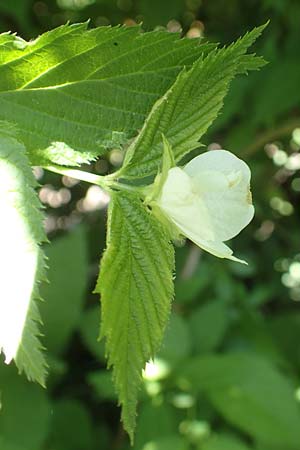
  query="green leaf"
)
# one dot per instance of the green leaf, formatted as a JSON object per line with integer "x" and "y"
{"x": 224, "y": 442}
{"x": 177, "y": 342}
{"x": 89, "y": 331}
{"x": 65, "y": 293}
{"x": 136, "y": 289}
{"x": 166, "y": 164}
{"x": 25, "y": 412}
{"x": 102, "y": 384}
{"x": 171, "y": 442}
{"x": 71, "y": 426}
{"x": 189, "y": 107}
{"x": 269, "y": 98}
{"x": 87, "y": 90}
{"x": 208, "y": 325}
{"x": 263, "y": 446}
{"x": 21, "y": 261}
{"x": 159, "y": 13}
{"x": 191, "y": 286}
{"x": 251, "y": 394}
{"x": 164, "y": 418}
{"x": 18, "y": 11}
{"x": 285, "y": 330}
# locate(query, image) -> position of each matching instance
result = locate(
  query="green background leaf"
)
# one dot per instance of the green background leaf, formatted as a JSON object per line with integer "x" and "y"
{"x": 225, "y": 443}
{"x": 64, "y": 293}
{"x": 89, "y": 330}
{"x": 25, "y": 412}
{"x": 251, "y": 394}
{"x": 208, "y": 325}
{"x": 71, "y": 426}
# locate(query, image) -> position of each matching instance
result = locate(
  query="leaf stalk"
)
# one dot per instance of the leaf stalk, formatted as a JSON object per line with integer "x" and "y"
{"x": 106, "y": 182}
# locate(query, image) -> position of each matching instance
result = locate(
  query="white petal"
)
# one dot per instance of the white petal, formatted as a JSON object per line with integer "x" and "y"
{"x": 219, "y": 160}
{"x": 222, "y": 182}
{"x": 216, "y": 248}
{"x": 183, "y": 206}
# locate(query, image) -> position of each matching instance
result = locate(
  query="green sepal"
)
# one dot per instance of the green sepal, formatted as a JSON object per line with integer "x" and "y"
{"x": 153, "y": 192}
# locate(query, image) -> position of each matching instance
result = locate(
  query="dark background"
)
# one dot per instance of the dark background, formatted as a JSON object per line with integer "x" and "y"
{"x": 221, "y": 308}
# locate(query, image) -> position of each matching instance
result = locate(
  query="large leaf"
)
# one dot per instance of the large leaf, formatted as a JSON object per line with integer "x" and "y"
{"x": 25, "y": 412}
{"x": 164, "y": 418}
{"x": 89, "y": 331}
{"x": 177, "y": 342}
{"x": 136, "y": 289}
{"x": 159, "y": 13}
{"x": 224, "y": 442}
{"x": 87, "y": 89}
{"x": 20, "y": 12}
{"x": 21, "y": 260}
{"x": 64, "y": 294}
{"x": 208, "y": 325}
{"x": 280, "y": 101}
{"x": 71, "y": 426}
{"x": 251, "y": 394}
{"x": 102, "y": 385}
{"x": 192, "y": 103}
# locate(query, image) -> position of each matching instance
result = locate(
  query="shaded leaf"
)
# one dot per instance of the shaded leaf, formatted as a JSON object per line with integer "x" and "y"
{"x": 208, "y": 325}
{"x": 64, "y": 294}
{"x": 71, "y": 426}
{"x": 102, "y": 384}
{"x": 89, "y": 331}
{"x": 177, "y": 342}
{"x": 251, "y": 394}
{"x": 25, "y": 412}
{"x": 224, "y": 442}
{"x": 162, "y": 415}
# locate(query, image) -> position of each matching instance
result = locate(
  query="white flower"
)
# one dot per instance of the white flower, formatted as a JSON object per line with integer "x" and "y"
{"x": 209, "y": 200}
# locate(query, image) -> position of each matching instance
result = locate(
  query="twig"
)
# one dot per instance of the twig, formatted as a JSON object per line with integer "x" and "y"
{"x": 271, "y": 135}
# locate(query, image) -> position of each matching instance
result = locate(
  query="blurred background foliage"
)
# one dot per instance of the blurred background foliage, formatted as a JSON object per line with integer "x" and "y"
{"x": 227, "y": 376}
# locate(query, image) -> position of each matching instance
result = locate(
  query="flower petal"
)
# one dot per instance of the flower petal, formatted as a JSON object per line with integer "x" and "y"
{"x": 216, "y": 248}
{"x": 219, "y": 160}
{"x": 183, "y": 206}
{"x": 222, "y": 180}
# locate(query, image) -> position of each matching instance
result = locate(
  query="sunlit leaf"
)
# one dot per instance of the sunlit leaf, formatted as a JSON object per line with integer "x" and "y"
{"x": 136, "y": 289}
{"x": 189, "y": 107}
{"x": 74, "y": 93}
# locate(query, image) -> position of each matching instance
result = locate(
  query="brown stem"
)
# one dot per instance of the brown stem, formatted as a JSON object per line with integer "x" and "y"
{"x": 271, "y": 135}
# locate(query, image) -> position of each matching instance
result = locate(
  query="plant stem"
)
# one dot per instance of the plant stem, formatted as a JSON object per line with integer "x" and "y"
{"x": 126, "y": 187}
{"x": 106, "y": 183}
{"x": 271, "y": 135}
{"x": 78, "y": 175}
